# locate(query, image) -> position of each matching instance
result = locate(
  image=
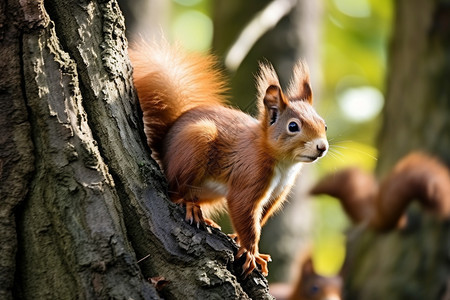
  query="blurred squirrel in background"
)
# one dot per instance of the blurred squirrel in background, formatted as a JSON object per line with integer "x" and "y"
{"x": 309, "y": 285}
{"x": 211, "y": 152}
{"x": 381, "y": 206}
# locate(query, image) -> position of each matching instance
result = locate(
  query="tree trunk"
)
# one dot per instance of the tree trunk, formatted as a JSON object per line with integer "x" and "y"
{"x": 82, "y": 201}
{"x": 417, "y": 109}
{"x": 412, "y": 263}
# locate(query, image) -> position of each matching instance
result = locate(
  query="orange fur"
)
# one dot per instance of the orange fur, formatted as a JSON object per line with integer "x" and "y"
{"x": 416, "y": 176}
{"x": 169, "y": 82}
{"x": 211, "y": 152}
{"x": 355, "y": 189}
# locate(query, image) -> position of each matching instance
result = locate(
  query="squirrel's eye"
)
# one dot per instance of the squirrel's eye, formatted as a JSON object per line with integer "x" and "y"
{"x": 293, "y": 127}
{"x": 315, "y": 289}
{"x": 326, "y": 127}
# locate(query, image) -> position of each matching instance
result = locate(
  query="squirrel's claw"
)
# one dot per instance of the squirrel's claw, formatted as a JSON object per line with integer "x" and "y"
{"x": 265, "y": 257}
{"x": 262, "y": 260}
{"x": 211, "y": 223}
{"x": 252, "y": 259}
{"x": 249, "y": 265}
{"x": 189, "y": 216}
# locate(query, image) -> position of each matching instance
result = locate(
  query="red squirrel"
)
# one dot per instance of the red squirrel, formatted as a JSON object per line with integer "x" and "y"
{"x": 211, "y": 153}
{"x": 312, "y": 286}
{"x": 309, "y": 285}
{"x": 416, "y": 176}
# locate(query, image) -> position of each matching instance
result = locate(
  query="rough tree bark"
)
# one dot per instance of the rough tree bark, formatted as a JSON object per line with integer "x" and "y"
{"x": 82, "y": 201}
{"x": 413, "y": 263}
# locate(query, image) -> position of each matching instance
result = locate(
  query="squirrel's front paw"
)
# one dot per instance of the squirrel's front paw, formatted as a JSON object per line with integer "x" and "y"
{"x": 251, "y": 259}
{"x": 194, "y": 215}
{"x": 234, "y": 237}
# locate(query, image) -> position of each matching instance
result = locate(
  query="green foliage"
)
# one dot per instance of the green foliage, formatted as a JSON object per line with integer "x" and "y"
{"x": 328, "y": 234}
{"x": 191, "y": 24}
{"x": 353, "y": 55}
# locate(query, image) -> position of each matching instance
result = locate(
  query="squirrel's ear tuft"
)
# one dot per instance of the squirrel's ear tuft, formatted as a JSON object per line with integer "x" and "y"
{"x": 308, "y": 267}
{"x": 274, "y": 102}
{"x": 300, "y": 87}
{"x": 270, "y": 97}
{"x": 274, "y": 98}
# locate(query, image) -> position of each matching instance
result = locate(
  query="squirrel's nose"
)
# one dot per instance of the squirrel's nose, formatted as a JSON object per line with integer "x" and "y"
{"x": 321, "y": 147}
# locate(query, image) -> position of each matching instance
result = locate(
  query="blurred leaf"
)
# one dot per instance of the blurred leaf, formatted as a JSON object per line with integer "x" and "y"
{"x": 328, "y": 234}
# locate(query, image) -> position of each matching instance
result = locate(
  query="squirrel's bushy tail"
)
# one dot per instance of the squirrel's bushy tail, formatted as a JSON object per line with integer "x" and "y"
{"x": 416, "y": 176}
{"x": 170, "y": 81}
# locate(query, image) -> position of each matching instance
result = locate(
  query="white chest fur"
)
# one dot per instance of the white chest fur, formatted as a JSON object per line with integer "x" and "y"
{"x": 283, "y": 177}
{"x": 211, "y": 190}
